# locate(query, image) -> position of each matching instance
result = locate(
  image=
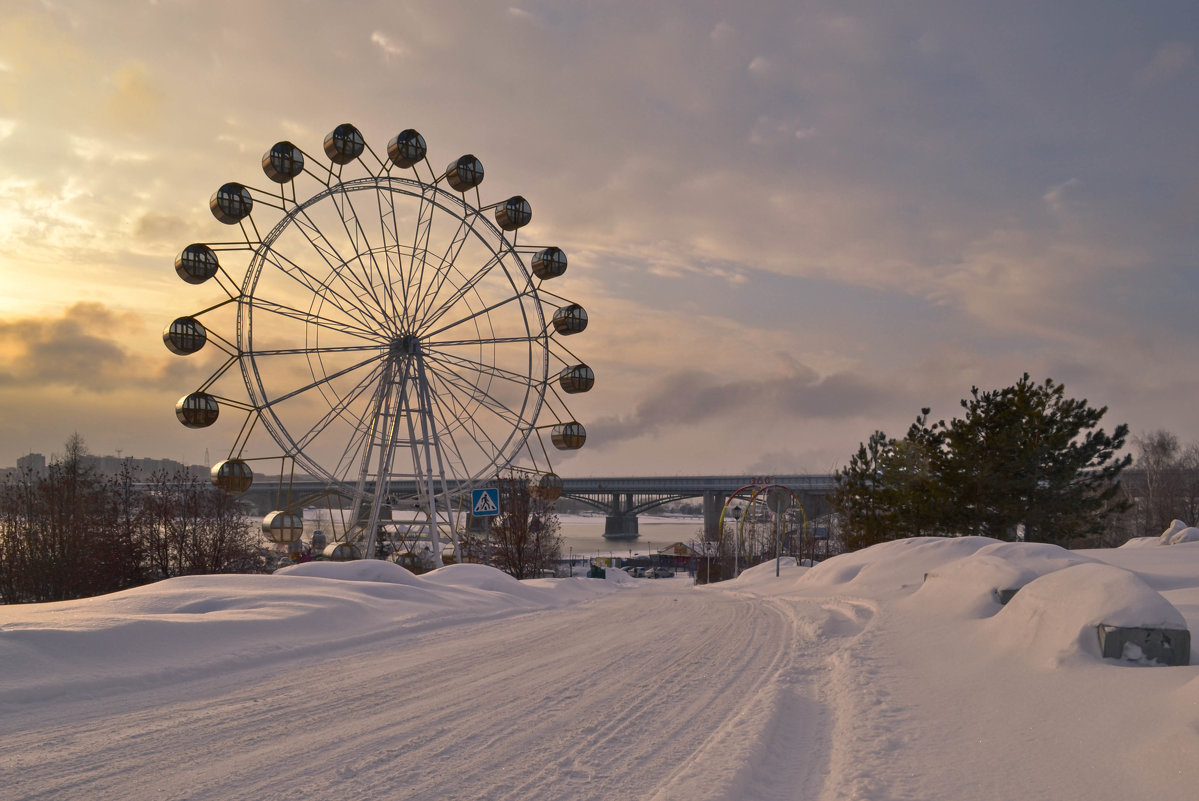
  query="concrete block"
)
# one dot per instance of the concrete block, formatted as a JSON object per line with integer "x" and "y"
{"x": 1164, "y": 646}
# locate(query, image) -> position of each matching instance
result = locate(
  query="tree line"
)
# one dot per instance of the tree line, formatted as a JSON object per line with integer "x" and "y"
{"x": 71, "y": 533}
{"x": 1162, "y": 485}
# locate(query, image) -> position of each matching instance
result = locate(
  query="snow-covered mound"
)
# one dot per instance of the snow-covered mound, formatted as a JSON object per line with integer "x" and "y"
{"x": 1178, "y": 533}
{"x": 1188, "y": 534}
{"x": 1174, "y": 527}
{"x": 1142, "y": 542}
{"x": 891, "y": 567}
{"x": 765, "y": 571}
{"x": 196, "y": 625}
{"x": 361, "y": 570}
{"x": 978, "y": 585}
{"x": 1055, "y": 619}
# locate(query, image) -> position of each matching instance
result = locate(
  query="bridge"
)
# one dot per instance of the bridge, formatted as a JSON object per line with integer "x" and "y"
{"x": 621, "y": 499}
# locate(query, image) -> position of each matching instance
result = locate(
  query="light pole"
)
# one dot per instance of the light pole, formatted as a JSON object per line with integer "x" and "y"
{"x": 737, "y": 541}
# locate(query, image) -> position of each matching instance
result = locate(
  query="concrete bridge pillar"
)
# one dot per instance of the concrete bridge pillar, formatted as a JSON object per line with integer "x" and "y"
{"x": 619, "y": 522}
{"x": 713, "y": 503}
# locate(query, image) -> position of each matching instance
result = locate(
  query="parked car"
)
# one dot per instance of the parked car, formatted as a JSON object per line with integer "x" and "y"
{"x": 636, "y": 572}
{"x": 659, "y": 572}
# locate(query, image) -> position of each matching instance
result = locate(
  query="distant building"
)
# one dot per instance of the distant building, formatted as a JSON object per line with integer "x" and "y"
{"x": 34, "y": 463}
{"x": 141, "y": 468}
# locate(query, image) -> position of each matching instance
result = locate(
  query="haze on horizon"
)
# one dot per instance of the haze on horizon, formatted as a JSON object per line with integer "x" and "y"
{"x": 791, "y": 223}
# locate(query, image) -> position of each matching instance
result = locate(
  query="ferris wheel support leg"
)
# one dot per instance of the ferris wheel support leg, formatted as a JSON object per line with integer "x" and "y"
{"x": 386, "y": 453}
{"x": 429, "y": 437}
{"x": 386, "y": 409}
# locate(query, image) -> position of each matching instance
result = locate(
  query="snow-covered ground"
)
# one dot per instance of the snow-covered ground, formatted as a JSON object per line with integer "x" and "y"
{"x": 893, "y": 673}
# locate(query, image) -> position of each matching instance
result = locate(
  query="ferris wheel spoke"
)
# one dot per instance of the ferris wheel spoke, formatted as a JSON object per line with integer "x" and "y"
{"x": 361, "y": 244}
{"x": 451, "y": 362}
{"x": 420, "y": 248}
{"x": 429, "y": 296}
{"x": 449, "y": 425}
{"x": 346, "y": 304}
{"x": 339, "y": 266}
{"x": 482, "y": 396}
{"x": 322, "y": 381}
{"x": 316, "y": 287}
{"x": 259, "y": 353}
{"x": 389, "y": 224}
{"x": 484, "y": 436}
{"x": 346, "y": 466}
{"x": 451, "y": 343}
{"x": 457, "y": 417}
{"x": 474, "y": 315}
{"x": 263, "y": 305}
{"x": 341, "y": 407}
{"x": 461, "y": 291}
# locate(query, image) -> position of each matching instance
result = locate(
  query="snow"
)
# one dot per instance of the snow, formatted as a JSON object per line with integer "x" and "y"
{"x": 892, "y": 673}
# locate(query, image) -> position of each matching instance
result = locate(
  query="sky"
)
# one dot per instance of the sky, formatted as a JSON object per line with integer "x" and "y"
{"x": 791, "y": 223}
{"x": 889, "y": 673}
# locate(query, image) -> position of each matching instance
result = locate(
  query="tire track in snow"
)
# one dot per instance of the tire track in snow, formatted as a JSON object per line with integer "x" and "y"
{"x": 616, "y": 698}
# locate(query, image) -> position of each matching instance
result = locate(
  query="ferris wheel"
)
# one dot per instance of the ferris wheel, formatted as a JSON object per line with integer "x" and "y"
{"x": 390, "y": 333}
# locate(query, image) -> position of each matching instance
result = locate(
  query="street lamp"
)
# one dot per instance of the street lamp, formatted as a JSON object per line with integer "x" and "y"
{"x": 736, "y": 541}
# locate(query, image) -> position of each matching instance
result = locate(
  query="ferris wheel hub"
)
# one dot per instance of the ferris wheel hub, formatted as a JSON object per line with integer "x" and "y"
{"x": 406, "y": 345}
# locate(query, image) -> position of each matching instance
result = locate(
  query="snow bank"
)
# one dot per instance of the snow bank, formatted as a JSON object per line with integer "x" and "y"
{"x": 1188, "y": 534}
{"x": 361, "y": 570}
{"x": 888, "y": 568}
{"x": 1142, "y": 542}
{"x": 1053, "y": 621}
{"x": 1174, "y": 527}
{"x": 193, "y": 626}
{"x": 977, "y": 585}
{"x": 1178, "y": 533}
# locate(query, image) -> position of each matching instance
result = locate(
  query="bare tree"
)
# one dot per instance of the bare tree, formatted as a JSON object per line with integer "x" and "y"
{"x": 197, "y": 529}
{"x": 1167, "y": 485}
{"x": 68, "y": 533}
{"x": 525, "y": 535}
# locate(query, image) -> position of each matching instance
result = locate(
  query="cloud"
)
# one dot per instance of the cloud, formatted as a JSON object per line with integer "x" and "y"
{"x": 160, "y": 228}
{"x": 85, "y": 349}
{"x": 390, "y": 48}
{"x": 722, "y": 33}
{"x": 522, "y": 14}
{"x": 135, "y": 99}
{"x": 1169, "y": 61}
{"x": 769, "y": 130}
{"x": 1056, "y": 197}
{"x": 695, "y": 397}
{"x": 77, "y": 350}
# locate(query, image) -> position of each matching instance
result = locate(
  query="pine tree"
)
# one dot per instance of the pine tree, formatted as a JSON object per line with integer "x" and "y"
{"x": 1023, "y": 458}
{"x": 1028, "y": 456}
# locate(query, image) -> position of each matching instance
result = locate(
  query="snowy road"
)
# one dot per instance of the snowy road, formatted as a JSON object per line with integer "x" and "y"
{"x": 890, "y": 674}
{"x": 661, "y": 687}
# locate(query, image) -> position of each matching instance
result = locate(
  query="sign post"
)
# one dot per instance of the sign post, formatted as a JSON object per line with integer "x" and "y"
{"x": 485, "y": 503}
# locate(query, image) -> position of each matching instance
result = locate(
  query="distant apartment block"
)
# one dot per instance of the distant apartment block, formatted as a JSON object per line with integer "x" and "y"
{"x": 112, "y": 465}
{"x": 33, "y": 462}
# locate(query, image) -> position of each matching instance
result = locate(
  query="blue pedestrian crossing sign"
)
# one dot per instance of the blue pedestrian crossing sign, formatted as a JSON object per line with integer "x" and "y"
{"x": 485, "y": 502}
